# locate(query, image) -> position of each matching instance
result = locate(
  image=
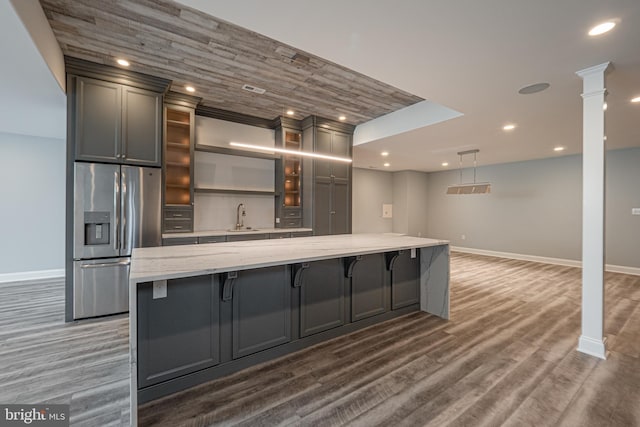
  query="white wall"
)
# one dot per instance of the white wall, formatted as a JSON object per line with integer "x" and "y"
{"x": 535, "y": 208}
{"x": 33, "y": 204}
{"x": 220, "y": 171}
{"x": 410, "y": 203}
{"x": 371, "y": 189}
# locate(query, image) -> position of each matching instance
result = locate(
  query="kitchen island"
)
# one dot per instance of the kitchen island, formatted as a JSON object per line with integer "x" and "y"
{"x": 199, "y": 312}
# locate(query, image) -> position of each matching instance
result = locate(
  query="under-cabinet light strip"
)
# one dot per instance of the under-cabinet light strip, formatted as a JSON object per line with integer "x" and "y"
{"x": 294, "y": 152}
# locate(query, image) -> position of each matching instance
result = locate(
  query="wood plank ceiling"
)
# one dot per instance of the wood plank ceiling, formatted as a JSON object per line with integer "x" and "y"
{"x": 169, "y": 40}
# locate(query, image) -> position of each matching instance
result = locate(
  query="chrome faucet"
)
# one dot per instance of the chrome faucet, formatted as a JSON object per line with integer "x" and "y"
{"x": 240, "y": 214}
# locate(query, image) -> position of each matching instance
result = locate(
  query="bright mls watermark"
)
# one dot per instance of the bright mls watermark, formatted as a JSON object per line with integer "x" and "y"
{"x": 34, "y": 415}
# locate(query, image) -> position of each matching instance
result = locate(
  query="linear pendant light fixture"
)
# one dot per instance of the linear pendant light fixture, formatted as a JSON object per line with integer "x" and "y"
{"x": 471, "y": 187}
{"x": 294, "y": 152}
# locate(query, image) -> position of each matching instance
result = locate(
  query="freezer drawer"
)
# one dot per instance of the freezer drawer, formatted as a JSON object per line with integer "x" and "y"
{"x": 100, "y": 287}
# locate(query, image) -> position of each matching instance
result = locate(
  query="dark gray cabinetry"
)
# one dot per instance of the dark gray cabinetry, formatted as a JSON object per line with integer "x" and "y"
{"x": 322, "y": 295}
{"x": 369, "y": 292}
{"x": 245, "y": 237}
{"x": 330, "y": 192}
{"x": 177, "y": 241}
{"x": 405, "y": 278}
{"x": 261, "y": 313}
{"x": 116, "y": 123}
{"x": 178, "y": 334}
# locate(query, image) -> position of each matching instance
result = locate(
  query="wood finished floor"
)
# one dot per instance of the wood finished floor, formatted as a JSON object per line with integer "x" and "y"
{"x": 506, "y": 358}
{"x": 45, "y": 360}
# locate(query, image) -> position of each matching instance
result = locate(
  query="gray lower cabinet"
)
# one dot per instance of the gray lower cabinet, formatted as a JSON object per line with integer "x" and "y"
{"x": 244, "y": 237}
{"x": 180, "y": 333}
{"x": 212, "y": 239}
{"x": 176, "y": 241}
{"x": 405, "y": 278}
{"x": 322, "y": 295}
{"x": 261, "y": 313}
{"x": 369, "y": 291}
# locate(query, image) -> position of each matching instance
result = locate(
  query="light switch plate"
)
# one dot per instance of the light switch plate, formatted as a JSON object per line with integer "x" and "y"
{"x": 387, "y": 211}
{"x": 159, "y": 289}
{"x": 635, "y": 211}
{"x": 413, "y": 252}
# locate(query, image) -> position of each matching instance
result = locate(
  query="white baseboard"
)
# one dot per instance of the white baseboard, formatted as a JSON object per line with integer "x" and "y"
{"x": 545, "y": 260}
{"x": 31, "y": 275}
{"x": 593, "y": 347}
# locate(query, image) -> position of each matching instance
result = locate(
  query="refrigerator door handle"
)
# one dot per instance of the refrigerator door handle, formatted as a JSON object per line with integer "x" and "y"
{"x": 124, "y": 228}
{"x": 105, "y": 264}
{"x": 116, "y": 208}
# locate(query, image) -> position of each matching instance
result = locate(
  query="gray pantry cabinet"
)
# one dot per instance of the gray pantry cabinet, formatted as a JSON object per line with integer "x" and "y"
{"x": 115, "y": 123}
{"x": 330, "y": 192}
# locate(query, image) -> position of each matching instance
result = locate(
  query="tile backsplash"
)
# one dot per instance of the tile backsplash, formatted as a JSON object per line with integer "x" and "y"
{"x": 218, "y": 211}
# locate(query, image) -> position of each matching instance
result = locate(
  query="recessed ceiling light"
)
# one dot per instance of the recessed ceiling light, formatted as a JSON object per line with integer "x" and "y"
{"x": 604, "y": 106}
{"x": 445, "y": 164}
{"x": 636, "y": 99}
{"x": 384, "y": 153}
{"x": 342, "y": 118}
{"x": 602, "y": 28}
{"x": 386, "y": 165}
{"x": 190, "y": 89}
{"x": 123, "y": 62}
{"x": 534, "y": 88}
{"x": 509, "y": 127}
{"x": 558, "y": 149}
{"x": 290, "y": 112}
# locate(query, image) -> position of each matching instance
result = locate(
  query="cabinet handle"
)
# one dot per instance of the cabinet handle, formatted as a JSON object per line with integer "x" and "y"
{"x": 332, "y": 212}
{"x": 177, "y": 227}
{"x": 177, "y": 215}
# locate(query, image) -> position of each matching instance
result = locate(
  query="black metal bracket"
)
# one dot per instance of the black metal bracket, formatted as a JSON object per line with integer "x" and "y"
{"x": 227, "y": 288}
{"x": 297, "y": 279}
{"x": 350, "y": 263}
{"x": 391, "y": 258}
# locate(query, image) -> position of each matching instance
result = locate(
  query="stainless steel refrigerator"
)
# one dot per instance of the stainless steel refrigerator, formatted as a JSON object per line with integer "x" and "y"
{"x": 116, "y": 208}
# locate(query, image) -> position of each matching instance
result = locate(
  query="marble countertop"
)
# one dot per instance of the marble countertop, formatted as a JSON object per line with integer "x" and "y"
{"x": 170, "y": 262}
{"x": 259, "y": 230}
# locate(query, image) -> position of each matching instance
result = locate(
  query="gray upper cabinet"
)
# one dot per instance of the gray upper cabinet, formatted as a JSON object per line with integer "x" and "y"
{"x": 98, "y": 120}
{"x": 141, "y": 126}
{"x": 115, "y": 123}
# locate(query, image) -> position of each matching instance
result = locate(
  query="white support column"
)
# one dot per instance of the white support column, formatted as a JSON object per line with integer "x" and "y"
{"x": 592, "y": 339}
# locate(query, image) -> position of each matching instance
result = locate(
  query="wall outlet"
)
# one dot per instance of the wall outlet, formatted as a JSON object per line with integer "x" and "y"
{"x": 277, "y": 220}
{"x": 159, "y": 289}
{"x": 635, "y": 211}
{"x": 463, "y": 237}
{"x": 387, "y": 211}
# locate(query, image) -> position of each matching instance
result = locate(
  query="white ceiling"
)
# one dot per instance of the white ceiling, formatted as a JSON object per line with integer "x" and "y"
{"x": 471, "y": 56}
{"x": 32, "y": 101}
